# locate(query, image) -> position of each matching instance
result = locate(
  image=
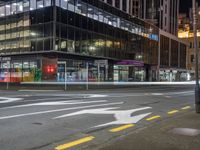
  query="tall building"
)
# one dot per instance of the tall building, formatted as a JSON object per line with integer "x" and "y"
{"x": 80, "y": 40}
{"x": 131, "y": 7}
{"x": 186, "y": 33}
{"x": 162, "y": 13}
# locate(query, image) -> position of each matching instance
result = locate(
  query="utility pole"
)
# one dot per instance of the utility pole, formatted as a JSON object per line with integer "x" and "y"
{"x": 196, "y": 52}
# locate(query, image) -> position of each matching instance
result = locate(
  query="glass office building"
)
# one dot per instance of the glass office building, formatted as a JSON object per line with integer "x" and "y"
{"x": 76, "y": 40}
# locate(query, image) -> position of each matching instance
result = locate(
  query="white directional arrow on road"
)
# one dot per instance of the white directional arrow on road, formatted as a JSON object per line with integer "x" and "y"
{"x": 8, "y": 100}
{"x": 121, "y": 116}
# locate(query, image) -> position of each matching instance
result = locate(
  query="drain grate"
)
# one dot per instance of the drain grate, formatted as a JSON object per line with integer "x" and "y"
{"x": 185, "y": 131}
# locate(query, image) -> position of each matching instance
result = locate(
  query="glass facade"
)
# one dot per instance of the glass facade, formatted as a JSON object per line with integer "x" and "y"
{"x": 172, "y": 60}
{"x": 77, "y": 33}
{"x": 26, "y": 70}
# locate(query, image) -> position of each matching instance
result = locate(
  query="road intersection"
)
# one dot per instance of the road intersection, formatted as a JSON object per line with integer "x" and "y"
{"x": 46, "y": 120}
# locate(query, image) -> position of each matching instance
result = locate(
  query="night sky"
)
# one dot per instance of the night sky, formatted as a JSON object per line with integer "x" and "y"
{"x": 185, "y": 5}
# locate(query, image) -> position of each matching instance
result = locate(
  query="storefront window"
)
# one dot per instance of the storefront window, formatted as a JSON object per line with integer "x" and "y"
{"x": 4, "y": 72}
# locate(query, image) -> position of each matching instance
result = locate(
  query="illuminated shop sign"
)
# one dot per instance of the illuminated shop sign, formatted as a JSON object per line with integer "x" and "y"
{"x": 153, "y": 37}
{"x": 131, "y": 63}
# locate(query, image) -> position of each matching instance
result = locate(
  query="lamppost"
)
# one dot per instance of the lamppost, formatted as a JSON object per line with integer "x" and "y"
{"x": 197, "y": 90}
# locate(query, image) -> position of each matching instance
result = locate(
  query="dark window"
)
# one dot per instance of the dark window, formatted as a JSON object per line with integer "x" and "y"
{"x": 190, "y": 44}
{"x": 124, "y": 4}
{"x": 47, "y": 44}
{"x": 109, "y": 2}
{"x": 192, "y": 58}
{"x": 117, "y": 3}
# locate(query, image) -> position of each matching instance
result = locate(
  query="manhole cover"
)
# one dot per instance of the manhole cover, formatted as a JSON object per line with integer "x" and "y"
{"x": 185, "y": 131}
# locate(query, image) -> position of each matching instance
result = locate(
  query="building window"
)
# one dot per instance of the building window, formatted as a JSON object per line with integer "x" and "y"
{"x": 26, "y": 5}
{"x": 165, "y": 9}
{"x": 40, "y": 4}
{"x": 124, "y": 3}
{"x": 32, "y": 4}
{"x": 117, "y": 3}
{"x": 47, "y": 3}
{"x": 191, "y": 58}
{"x": 2, "y": 11}
{"x": 190, "y": 44}
{"x": 109, "y": 2}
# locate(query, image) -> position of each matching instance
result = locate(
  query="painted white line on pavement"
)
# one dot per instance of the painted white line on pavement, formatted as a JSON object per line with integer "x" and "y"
{"x": 9, "y": 100}
{"x": 61, "y": 103}
{"x": 44, "y": 99}
{"x": 58, "y": 110}
{"x": 121, "y": 116}
{"x": 111, "y": 83}
{"x": 178, "y": 93}
{"x": 40, "y": 90}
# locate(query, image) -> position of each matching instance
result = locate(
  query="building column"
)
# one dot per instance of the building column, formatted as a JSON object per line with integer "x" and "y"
{"x": 113, "y": 3}
{"x": 179, "y": 55}
{"x": 127, "y": 6}
{"x": 54, "y": 24}
{"x": 170, "y": 41}
{"x": 158, "y": 67}
{"x": 144, "y": 9}
{"x": 131, "y": 7}
{"x": 121, "y": 3}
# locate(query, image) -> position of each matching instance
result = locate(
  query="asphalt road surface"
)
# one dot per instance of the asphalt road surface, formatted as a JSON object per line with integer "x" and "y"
{"x": 56, "y": 120}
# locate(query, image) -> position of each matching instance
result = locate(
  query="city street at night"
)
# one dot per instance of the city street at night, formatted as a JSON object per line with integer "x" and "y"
{"x": 96, "y": 119}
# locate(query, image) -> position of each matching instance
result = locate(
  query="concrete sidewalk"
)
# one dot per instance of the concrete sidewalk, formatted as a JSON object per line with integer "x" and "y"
{"x": 164, "y": 135}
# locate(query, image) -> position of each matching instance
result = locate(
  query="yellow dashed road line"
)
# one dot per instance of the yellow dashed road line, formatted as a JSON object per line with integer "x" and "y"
{"x": 172, "y": 112}
{"x": 122, "y": 128}
{"x": 152, "y": 118}
{"x": 74, "y": 143}
{"x": 186, "y": 107}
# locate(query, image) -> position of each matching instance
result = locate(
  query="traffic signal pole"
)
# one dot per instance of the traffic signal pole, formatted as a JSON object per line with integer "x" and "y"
{"x": 196, "y": 52}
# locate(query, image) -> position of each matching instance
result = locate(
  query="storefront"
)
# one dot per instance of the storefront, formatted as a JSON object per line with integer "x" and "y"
{"x": 82, "y": 70}
{"x": 174, "y": 75}
{"x": 74, "y": 41}
{"x": 18, "y": 70}
{"x": 129, "y": 70}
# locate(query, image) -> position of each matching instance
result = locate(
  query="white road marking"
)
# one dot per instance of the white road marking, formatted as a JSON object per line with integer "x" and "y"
{"x": 61, "y": 103}
{"x": 58, "y": 110}
{"x": 9, "y": 99}
{"x": 178, "y": 93}
{"x": 121, "y": 116}
{"x": 95, "y": 96}
{"x": 157, "y": 94}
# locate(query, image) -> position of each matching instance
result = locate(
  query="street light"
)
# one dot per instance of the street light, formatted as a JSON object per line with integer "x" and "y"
{"x": 197, "y": 90}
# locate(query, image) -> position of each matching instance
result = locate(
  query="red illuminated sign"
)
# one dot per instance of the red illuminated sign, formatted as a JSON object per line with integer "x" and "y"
{"x": 50, "y": 69}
